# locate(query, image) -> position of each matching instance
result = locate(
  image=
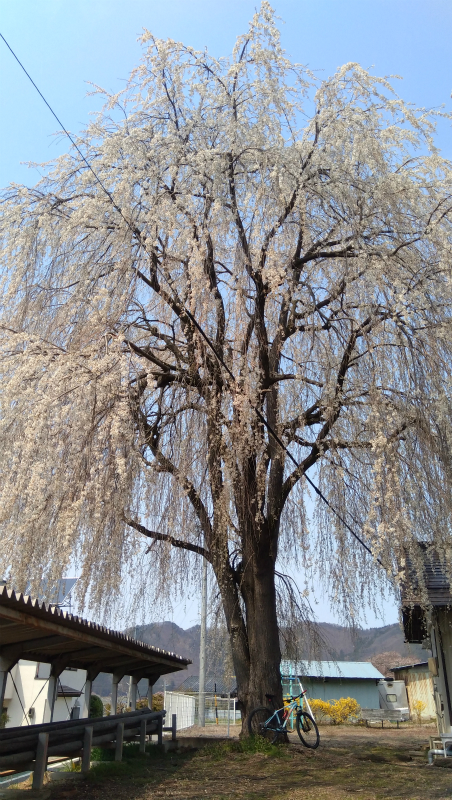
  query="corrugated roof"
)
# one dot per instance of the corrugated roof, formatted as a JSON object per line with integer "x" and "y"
{"x": 410, "y": 666}
{"x": 363, "y": 670}
{"x": 437, "y": 583}
{"x": 26, "y": 625}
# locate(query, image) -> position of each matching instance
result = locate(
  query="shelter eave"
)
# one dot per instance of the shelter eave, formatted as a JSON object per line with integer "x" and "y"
{"x": 35, "y": 632}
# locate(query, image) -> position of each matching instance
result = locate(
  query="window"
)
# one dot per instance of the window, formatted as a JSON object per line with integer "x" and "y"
{"x": 391, "y": 698}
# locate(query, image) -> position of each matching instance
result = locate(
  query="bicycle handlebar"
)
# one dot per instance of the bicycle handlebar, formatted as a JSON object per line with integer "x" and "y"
{"x": 297, "y": 696}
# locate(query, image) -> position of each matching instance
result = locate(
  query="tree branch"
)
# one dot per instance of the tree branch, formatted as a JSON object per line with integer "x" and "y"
{"x": 165, "y": 537}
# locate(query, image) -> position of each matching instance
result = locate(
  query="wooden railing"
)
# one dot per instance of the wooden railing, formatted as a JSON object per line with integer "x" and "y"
{"x": 29, "y": 748}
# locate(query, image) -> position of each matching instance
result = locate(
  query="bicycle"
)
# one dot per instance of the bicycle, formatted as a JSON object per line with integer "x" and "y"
{"x": 262, "y": 721}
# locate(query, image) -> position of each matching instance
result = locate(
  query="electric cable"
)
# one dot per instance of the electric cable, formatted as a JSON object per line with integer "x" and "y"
{"x": 20, "y": 701}
{"x": 41, "y": 689}
{"x": 220, "y": 360}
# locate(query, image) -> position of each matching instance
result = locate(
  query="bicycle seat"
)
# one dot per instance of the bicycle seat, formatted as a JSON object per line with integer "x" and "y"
{"x": 270, "y": 696}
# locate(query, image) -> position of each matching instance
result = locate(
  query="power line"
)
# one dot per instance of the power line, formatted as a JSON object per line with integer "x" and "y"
{"x": 25, "y": 716}
{"x": 192, "y": 318}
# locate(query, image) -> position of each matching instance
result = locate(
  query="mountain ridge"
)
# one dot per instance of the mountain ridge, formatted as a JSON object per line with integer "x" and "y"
{"x": 342, "y": 644}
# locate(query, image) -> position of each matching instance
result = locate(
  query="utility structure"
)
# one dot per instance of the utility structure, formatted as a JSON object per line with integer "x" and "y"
{"x": 202, "y": 649}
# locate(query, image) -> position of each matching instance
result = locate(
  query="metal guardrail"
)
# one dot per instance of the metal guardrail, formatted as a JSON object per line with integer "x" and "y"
{"x": 28, "y": 748}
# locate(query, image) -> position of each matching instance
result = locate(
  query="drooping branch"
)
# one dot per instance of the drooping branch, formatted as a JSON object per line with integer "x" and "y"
{"x": 165, "y": 537}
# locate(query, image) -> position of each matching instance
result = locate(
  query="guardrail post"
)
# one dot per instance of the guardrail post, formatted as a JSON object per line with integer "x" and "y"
{"x": 119, "y": 741}
{"x": 41, "y": 760}
{"x": 160, "y": 731}
{"x": 143, "y": 735}
{"x": 87, "y": 745}
{"x": 173, "y": 727}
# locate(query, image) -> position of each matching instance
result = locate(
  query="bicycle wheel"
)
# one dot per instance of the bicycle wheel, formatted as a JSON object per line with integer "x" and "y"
{"x": 307, "y": 730}
{"x": 257, "y": 727}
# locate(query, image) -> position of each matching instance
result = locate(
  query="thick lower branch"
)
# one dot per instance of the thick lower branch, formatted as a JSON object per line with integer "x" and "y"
{"x": 165, "y": 537}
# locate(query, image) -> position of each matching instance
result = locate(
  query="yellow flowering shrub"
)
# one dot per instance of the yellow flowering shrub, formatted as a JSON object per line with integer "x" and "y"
{"x": 417, "y": 708}
{"x": 320, "y": 709}
{"x": 344, "y": 709}
{"x": 339, "y": 711}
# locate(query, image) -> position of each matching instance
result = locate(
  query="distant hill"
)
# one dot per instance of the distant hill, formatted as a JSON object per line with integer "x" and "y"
{"x": 342, "y": 644}
{"x": 363, "y": 644}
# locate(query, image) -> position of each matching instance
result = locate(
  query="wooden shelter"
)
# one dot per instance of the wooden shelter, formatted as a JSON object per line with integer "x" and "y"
{"x": 427, "y": 619}
{"x": 32, "y": 630}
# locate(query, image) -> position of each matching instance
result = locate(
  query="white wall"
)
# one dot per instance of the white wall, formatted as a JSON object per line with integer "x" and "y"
{"x": 33, "y": 693}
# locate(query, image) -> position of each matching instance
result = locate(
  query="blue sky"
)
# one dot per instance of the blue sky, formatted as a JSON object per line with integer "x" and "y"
{"x": 65, "y": 44}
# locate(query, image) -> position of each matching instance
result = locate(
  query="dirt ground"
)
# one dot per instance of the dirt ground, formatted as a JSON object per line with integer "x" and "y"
{"x": 372, "y": 764}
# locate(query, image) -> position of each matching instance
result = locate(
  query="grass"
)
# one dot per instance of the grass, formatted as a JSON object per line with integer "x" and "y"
{"x": 248, "y": 746}
{"x": 371, "y": 765}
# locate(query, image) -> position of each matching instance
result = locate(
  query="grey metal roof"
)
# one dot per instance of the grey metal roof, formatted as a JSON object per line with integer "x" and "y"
{"x": 362, "y": 670}
{"x": 410, "y": 666}
{"x": 67, "y": 691}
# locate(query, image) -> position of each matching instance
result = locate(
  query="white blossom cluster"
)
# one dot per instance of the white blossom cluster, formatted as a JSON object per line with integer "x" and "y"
{"x": 315, "y": 252}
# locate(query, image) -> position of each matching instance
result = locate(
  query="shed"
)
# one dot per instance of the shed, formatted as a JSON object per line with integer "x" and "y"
{"x": 427, "y": 619}
{"x": 33, "y": 633}
{"x": 419, "y": 685}
{"x": 331, "y": 680}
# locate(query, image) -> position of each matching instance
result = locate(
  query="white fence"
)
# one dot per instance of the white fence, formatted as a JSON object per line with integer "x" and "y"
{"x": 220, "y": 710}
{"x": 183, "y": 706}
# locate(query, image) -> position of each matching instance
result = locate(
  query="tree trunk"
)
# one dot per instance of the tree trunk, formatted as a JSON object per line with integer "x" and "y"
{"x": 237, "y": 633}
{"x": 255, "y": 645}
{"x": 263, "y": 635}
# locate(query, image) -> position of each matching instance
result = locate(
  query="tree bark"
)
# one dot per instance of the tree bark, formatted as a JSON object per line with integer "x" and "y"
{"x": 263, "y": 634}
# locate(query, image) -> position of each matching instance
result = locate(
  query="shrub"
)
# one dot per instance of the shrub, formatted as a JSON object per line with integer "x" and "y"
{"x": 339, "y": 711}
{"x": 4, "y": 719}
{"x": 157, "y": 702}
{"x": 320, "y": 709}
{"x": 417, "y": 708}
{"x": 96, "y": 706}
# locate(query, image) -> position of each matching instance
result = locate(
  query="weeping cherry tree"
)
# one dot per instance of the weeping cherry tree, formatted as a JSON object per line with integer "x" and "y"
{"x": 238, "y": 263}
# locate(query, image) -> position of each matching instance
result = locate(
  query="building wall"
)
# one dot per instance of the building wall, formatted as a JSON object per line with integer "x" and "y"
{"x": 440, "y": 630}
{"x": 33, "y": 693}
{"x": 419, "y": 686}
{"x": 363, "y": 690}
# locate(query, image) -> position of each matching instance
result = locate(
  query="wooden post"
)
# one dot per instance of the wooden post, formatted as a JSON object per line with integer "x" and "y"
{"x": 119, "y": 741}
{"x": 5, "y": 666}
{"x": 160, "y": 731}
{"x": 173, "y": 727}
{"x": 51, "y": 695}
{"x": 41, "y": 761}
{"x": 87, "y": 745}
{"x": 143, "y": 735}
{"x": 133, "y": 692}
{"x": 114, "y": 697}
{"x": 87, "y": 698}
{"x": 115, "y": 678}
